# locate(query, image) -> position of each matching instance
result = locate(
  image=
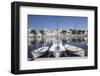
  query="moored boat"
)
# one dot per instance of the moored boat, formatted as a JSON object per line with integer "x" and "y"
{"x": 39, "y": 52}
{"x": 57, "y": 50}
{"x": 74, "y": 49}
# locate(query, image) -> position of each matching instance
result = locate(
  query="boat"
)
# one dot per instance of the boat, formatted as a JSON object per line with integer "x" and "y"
{"x": 57, "y": 50}
{"x": 74, "y": 49}
{"x": 39, "y": 52}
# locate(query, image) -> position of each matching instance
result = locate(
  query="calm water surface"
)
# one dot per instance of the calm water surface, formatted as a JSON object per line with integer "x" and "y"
{"x": 38, "y": 44}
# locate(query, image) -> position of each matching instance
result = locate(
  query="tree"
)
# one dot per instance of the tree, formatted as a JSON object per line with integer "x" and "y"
{"x": 42, "y": 32}
{"x": 79, "y": 31}
{"x": 64, "y": 32}
{"x": 83, "y": 31}
{"x": 74, "y": 31}
{"x": 33, "y": 31}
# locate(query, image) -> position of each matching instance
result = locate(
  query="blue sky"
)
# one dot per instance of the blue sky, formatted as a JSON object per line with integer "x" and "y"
{"x": 51, "y": 22}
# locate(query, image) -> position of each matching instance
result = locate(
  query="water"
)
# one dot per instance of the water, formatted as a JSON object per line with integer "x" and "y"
{"x": 79, "y": 44}
{"x": 38, "y": 44}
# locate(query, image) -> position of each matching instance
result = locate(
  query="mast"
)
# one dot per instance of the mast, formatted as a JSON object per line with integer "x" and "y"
{"x": 57, "y": 34}
{"x": 76, "y": 29}
{"x": 57, "y": 37}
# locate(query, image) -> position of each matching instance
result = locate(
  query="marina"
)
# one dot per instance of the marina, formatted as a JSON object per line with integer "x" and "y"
{"x": 57, "y": 40}
{"x": 65, "y": 49}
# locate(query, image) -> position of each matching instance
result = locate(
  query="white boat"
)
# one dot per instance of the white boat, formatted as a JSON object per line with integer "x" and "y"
{"x": 75, "y": 50}
{"x": 40, "y": 51}
{"x": 57, "y": 50}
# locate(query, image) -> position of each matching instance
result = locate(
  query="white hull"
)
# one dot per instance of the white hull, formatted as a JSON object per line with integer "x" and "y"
{"x": 75, "y": 50}
{"x": 38, "y": 52}
{"x": 57, "y": 52}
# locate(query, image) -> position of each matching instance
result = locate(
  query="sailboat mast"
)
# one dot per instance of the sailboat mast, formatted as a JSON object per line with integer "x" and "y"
{"x": 57, "y": 37}
{"x": 57, "y": 34}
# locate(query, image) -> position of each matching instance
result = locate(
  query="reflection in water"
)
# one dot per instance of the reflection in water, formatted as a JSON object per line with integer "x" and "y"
{"x": 78, "y": 39}
{"x": 46, "y": 40}
{"x": 38, "y": 42}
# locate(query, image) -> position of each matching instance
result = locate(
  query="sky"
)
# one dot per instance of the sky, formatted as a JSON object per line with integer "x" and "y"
{"x": 52, "y": 22}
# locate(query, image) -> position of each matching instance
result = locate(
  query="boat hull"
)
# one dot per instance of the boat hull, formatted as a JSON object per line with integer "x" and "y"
{"x": 75, "y": 50}
{"x": 57, "y": 52}
{"x": 39, "y": 52}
